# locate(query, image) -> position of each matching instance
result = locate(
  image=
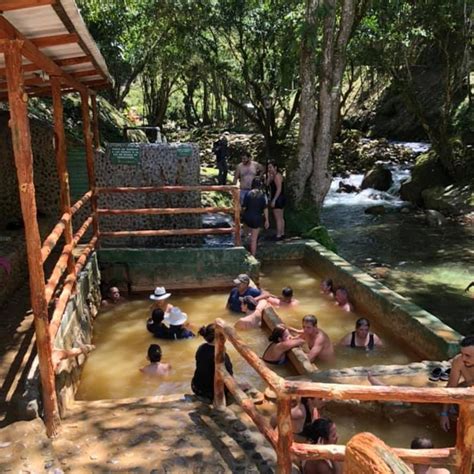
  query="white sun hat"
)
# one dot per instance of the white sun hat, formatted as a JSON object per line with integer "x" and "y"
{"x": 160, "y": 294}
{"x": 175, "y": 317}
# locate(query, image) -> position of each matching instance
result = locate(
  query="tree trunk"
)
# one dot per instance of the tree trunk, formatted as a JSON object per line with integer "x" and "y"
{"x": 206, "y": 120}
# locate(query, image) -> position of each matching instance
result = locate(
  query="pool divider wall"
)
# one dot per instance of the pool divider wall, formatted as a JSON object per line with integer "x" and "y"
{"x": 186, "y": 268}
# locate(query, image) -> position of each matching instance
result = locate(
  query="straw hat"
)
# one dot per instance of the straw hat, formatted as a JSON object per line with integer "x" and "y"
{"x": 160, "y": 294}
{"x": 175, "y": 317}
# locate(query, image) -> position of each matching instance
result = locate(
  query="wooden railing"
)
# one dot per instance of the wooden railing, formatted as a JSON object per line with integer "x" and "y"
{"x": 281, "y": 439}
{"x": 235, "y": 210}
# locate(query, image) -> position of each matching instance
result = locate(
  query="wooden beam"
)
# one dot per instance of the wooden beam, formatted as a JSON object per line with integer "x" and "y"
{"x": 219, "y": 371}
{"x": 21, "y": 140}
{"x": 8, "y": 5}
{"x": 167, "y": 189}
{"x": 166, "y": 211}
{"x": 465, "y": 439}
{"x": 73, "y": 61}
{"x": 55, "y": 40}
{"x": 32, "y": 53}
{"x": 236, "y": 202}
{"x": 88, "y": 72}
{"x": 95, "y": 121}
{"x": 165, "y": 232}
{"x": 285, "y": 434}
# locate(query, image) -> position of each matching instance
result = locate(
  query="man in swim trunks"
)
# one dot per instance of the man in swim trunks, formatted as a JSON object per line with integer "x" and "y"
{"x": 242, "y": 289}
{"x": 245, "y": 173}
{"x": 462, "y": 374}
{"x": 319, "y": 344}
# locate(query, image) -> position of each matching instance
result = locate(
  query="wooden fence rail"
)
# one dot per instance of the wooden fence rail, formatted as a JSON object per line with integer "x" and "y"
{"x": 282, "y": 439}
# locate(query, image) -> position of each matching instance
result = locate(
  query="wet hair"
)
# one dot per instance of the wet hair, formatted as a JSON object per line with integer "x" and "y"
{"x": 310, "y": 318}
{"x": 328, "y": 283}
{"x": 421, "y": 443}
{"x": 250, "y": 302}
{"x": 319, "y": 428}
{"x": 154, "y": 353}
{"x": 467, "y": 341}
{"x": 287, "y": 292}
{"x": 208, "y": 332}
{"x": 256, "y": 188}
{"x": 343, "y": 291}
{"x": 277, "y": 334}
{"x": 109, "y": 292}
{"x": 362, "y": 322}
{"x": 256, "y": 183}
{"x": 157, "y": 316}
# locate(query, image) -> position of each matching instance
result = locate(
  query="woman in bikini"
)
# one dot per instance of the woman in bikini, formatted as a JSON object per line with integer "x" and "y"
{"x": 361, "y": 338}
{"x": 280, "y": 343}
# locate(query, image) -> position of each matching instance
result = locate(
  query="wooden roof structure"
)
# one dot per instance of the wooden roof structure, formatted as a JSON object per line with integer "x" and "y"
{"x": 56, "y": 43}
{"x": 45, "y": 49}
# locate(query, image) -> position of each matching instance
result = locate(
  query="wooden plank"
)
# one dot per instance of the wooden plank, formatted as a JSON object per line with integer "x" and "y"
{"x": 219, "y": 372}
{"x": 55, "y": 40}
{"x": 166, "y": 189}
{"x": 285, "y": 434}
{"x": 51, "y": 240}
{"x": 464, "y": 439}
{"x": 88, "y": 72}
{"x": 95, "y": 121}
{"x": 166, "y": 211}
{"x": 9, "y": 5}
{"x": 165, "y": 232}
{"x": 81, "y": 202}
{"x": 21, "y": 140}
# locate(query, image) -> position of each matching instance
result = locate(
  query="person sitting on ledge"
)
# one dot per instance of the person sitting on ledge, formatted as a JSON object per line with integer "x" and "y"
{"x": 280, "y": 343}
{"x": 113, "y": 297}
{"x": 342, "y": 300}
{"x": 159, "y": 297}
{"x": 155, "y": 367}
{"x": 361, "y": 338}
{"x": 175, "y": 319}
{"x": 155, "y": 324}
{"x": 327, "y": 287}
{"x": 242, "y": 289}
{"x": 253, "y": 313}
{"x": 425, "y": 443}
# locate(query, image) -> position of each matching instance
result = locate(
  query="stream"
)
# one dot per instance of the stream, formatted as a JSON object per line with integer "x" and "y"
{"x": 429, "y": 265}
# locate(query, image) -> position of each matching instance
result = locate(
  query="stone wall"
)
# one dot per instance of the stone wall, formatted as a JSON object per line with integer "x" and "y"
{"x": 159, "y": 164}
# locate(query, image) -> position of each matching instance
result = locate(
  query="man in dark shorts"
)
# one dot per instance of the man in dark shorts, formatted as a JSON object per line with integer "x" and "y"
{"x": 242, "y": 289}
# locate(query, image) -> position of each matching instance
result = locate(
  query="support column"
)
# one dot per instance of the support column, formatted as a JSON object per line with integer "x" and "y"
{"x": 21, "y": 140}
{"x": 219, "y": 362}
{"x": 86, "y": 127}
{"x": 285, "y": 434}
{"x": 95, "y": 121}
{"x": 465, "y": 438}
{"x": 61, "y": 160}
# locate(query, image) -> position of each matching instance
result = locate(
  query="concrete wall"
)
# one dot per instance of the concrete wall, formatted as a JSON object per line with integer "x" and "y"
{"x": 144, "y": 269}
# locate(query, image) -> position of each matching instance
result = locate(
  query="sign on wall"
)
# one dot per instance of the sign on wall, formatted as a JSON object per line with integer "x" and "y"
{"x": 124, "y": 153}
{"x": 184, "y": 150}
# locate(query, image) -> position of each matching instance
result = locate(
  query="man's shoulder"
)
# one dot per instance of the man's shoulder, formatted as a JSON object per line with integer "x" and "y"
{"x": 251, "y": 291}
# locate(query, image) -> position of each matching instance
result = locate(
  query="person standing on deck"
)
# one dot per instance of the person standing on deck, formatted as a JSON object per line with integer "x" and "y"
{"x": 242, "y": 289}
{"x": 246, "y": 171}
{"x": 277, "y": 198}
{"x": 221, "y": 149}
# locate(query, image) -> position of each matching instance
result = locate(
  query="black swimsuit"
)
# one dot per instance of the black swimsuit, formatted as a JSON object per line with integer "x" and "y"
{"x": 280, "y": 361}
{"x": 370, "y": 346}
{"x": 281, "y": 200}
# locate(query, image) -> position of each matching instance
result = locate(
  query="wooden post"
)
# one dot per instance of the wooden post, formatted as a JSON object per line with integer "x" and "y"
{"x": 95, "y": 122}
{"x": 61, "y": 159}
{"x": 219, "y": 357}
{"x": 236, "y": 196}
{"x": 21, "y": 140}
{"x": 86, "y": 127}
{"x": 285, "y": 434}
{"x": 465, "y": 438}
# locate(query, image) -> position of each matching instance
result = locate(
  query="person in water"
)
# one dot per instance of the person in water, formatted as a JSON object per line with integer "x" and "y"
{"x": 342, "y": 300}
{"x": 321, "y": 431}
{"x": 327, "y": 287}
{"x": 280, "y": 343}
{"x": 202, "y": 383}
{"x": 155, "y": 324}
{"x": 241, "y": 290}
{"x": 113, "y": 297}
{"x": 461, "y": 374}
{"x": 155, "y": 367}
{"x": 277, "y": 198}
{"x": 253, "y": 313}
{"x": 255, "y": 215}
{"x": 425, "y": 443}
{"x": 361, "y": 338}
{"x": 319, "y": 345}
{"x": 286, "y": 298}
{"x": 159, "y": 298}
{"x": 175, "y": 320}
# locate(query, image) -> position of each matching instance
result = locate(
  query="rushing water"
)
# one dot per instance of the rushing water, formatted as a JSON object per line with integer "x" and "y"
{"x": 429, "y": 265}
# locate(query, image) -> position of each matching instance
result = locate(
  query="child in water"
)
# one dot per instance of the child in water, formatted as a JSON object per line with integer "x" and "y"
{"x": 155, "y": 367}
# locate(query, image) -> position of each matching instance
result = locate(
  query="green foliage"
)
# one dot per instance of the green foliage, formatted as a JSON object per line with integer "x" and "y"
{"x": 321, "y": 235}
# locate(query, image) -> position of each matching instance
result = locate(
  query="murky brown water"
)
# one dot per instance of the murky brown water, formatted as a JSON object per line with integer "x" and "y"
{"x": 112, "y": 370}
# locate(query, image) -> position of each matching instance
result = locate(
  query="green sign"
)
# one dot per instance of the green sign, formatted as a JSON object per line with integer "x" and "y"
{"x": 184, "y": 150}
{"x": 124, "y": 153}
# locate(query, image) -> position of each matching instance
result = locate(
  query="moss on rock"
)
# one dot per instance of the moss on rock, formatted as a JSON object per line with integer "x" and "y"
{"x": 321, "y": 235}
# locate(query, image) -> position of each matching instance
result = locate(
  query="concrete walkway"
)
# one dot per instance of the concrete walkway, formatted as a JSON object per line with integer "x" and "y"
{"x": 150, "y": 435}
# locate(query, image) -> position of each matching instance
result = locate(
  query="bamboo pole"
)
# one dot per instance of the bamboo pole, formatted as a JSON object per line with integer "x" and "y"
{"x": 21, "y": 140}
{"x": 464, "y": 439}
{"x": 52, "y": 239}
{"x": 270, "y": 377}
{"x": 285, "y": 434}
{"x": 86, "y": 127}
{"x": 166, "y": 211}
{"x": 219, "y": 358}
{"x": 381, "y": 393}
{"x": 166, "y": 232}
{"x": 166, "y": 189}
{"x": 81, "y": 202}
{"x": 249, "y": 407}
{"x": 61, "y": 158}
{"x": 236, "y": 198}
{"x": 95, "y": 122}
